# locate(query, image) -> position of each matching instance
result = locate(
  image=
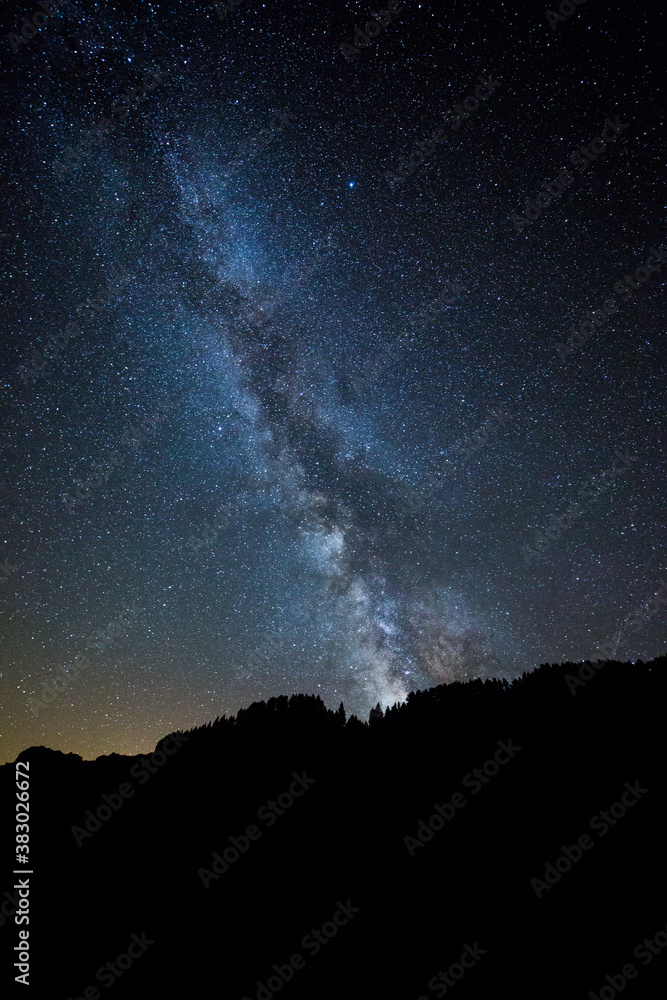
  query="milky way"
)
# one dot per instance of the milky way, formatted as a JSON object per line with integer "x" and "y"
{"x": 289, "y": 389}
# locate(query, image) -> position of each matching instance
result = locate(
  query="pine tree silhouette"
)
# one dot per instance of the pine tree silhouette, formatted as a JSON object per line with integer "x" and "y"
{"x": 376, "y": 713}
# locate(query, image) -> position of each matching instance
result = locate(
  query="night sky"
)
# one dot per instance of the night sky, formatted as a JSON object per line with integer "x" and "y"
{"x": 253, "y": 464}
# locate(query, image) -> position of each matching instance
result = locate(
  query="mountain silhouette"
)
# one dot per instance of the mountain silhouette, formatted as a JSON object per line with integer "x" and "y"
{"x": 455, "y": 844}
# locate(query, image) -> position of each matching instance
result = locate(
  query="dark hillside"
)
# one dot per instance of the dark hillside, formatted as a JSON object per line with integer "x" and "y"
{"x": 360, "y": 790}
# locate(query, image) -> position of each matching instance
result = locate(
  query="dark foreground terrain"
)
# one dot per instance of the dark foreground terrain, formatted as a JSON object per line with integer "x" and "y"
{"x": 542, "y": 874}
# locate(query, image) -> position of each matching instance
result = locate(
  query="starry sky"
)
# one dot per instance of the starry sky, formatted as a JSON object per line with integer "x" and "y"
{"x": 278, "y": 419}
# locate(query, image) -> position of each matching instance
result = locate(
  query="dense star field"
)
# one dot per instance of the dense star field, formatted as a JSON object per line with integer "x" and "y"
{"x": 326, "y": 368}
